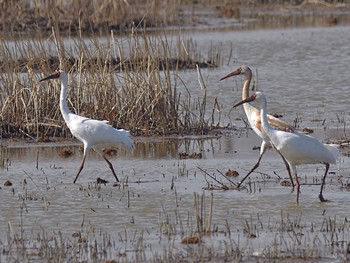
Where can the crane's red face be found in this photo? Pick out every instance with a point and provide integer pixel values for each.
(55, 75)
(233, 73)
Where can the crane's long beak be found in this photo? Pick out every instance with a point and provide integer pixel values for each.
(249, 99)
(55, 75)
(233, 73)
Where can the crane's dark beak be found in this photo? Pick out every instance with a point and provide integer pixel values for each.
(55, 75)
(249, 99)
(233, 73)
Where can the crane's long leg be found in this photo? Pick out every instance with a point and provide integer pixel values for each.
(81, 167)
(297, 186)
(320, 195)
(294, 169)
(100, 152)
(263, 149)
(287, 165)
(111, 167)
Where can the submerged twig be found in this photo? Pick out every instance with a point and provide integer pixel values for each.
(226, 177)
(223, 186)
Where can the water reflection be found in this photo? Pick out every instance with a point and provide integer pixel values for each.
(145, 148)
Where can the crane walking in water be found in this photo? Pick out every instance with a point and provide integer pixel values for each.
(253, 115)
(297, 148)
(92, 133)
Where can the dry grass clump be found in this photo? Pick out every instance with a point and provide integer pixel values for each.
(194, 155)
(87, 16)
(232, 173)
(191, 240)
(7, 183)
(66, 152)
(102, 16)
(138, 91)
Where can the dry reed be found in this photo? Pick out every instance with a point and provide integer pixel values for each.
(132, 82)
(84, 17)
(77, 16)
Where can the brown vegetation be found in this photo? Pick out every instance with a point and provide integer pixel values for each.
(131, 82)
(66, 152)
(232, 173)
(100, 17)
(194, 155)
(190, 240)
(7, 183)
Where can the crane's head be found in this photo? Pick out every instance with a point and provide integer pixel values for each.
(243, 70)
(57, 74)
(256, 96)
(249, 99)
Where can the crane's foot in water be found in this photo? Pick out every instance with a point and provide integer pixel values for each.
(292, 190)
(320, 196)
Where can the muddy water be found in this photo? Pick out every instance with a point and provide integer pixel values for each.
(304, 74)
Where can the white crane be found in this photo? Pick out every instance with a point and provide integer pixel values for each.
(253, 115)
(297, 148)
(92, 133)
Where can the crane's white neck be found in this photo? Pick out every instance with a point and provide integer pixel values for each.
(63, 97)
(263, 114)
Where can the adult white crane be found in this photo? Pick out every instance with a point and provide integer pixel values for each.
(253, 115)
(92, 133)
(297, 148)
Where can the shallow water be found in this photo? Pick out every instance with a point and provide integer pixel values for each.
(160, 193)
(304, 74)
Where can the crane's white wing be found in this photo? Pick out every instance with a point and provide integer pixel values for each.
(99, 133)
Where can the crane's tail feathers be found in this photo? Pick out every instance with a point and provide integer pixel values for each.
(127, 141)
(122, 130)
(334, 149)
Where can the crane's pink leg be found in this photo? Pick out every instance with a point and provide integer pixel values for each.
(111, 167)
(320, 195)
(81, 168)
